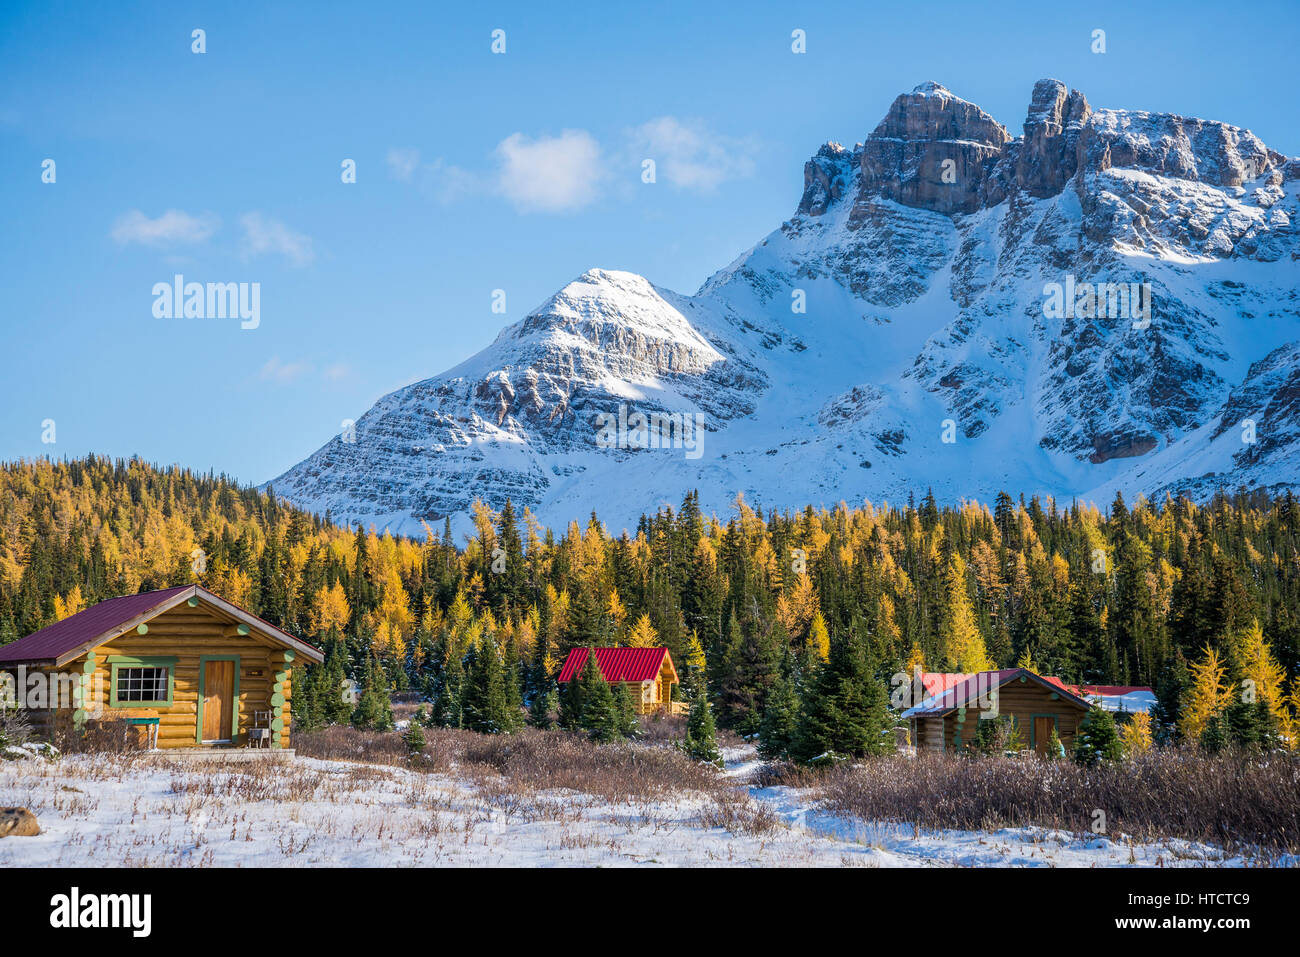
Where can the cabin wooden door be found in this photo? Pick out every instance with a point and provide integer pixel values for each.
(218, 700)
(1043, 728)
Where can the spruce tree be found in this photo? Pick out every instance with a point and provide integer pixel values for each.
(484, 702)
(544, 702)
(747, 674)
(414, 740)
(446, 710)
(629, 724)
(1171, 690)
(846, 711)
(513, 713)
(571, 702)
(1251, 726)
(1097, 738)
(591, 705)
(334, 707)
(601, 717)
(780, 719)
(1214, 736)
(374, 712)
(701, 738)
(306, 700)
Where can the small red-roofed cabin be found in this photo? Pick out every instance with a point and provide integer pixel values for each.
(954, 704)
(186, 667)
(649, 671)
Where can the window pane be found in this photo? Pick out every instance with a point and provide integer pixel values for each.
(141, 684)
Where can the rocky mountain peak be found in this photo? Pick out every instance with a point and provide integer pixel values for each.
(1047, 156)
(907, 300)
(938, 152)
(931, 112)
(930, 151)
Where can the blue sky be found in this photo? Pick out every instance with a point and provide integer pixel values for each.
(475, 172)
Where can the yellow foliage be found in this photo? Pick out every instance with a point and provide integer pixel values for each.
(796, 607)
(819, 638)
(69, 606)
(643, 634)
(331, 610)
(1261, 669)
(1207, 697)
(616, 611)
(1136, 735)
(959, 634)
(915, 660)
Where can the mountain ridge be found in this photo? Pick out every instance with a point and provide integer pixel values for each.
(924, 356)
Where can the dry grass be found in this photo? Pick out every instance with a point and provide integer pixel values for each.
(554, 775)
(530, 761)
(1233, 801)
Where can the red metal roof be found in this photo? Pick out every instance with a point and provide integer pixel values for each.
(959, 690)
(85, 626)
(617, 664)
(936, 682)
(1109, 690)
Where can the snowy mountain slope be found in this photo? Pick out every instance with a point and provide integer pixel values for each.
(925, 319)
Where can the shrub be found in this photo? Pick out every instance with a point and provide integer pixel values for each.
(414, 739)
(1232, 800)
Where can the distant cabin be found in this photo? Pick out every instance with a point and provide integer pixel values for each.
(949, 715)
(187, 667)
(649, 671)
(1123, 700)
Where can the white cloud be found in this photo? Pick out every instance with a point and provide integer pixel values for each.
(276, 371)
(173, 226)
(558, 174)
(689, 156)
(337, 371)
(439, 179)
(551, 173)
(448, 183)
(263, 235)
(402, 163)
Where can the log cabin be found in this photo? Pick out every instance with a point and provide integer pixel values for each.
(649, 672)
(182, 667)
(949, 715)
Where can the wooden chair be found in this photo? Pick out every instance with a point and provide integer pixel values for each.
(259, 735)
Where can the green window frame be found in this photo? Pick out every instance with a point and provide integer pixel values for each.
(118, 662)
(234, 697)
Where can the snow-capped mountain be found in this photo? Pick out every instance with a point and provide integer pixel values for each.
(1110, 301)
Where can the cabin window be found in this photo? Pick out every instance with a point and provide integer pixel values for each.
(141, 682)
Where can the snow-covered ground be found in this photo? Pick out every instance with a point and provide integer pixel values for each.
(155, 812)
(903, 845)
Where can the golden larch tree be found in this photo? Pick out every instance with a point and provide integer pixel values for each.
(1208, 696)
(330, 610)
(642, 634)
(70, 605)
(960, 636)
(1136, 735)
